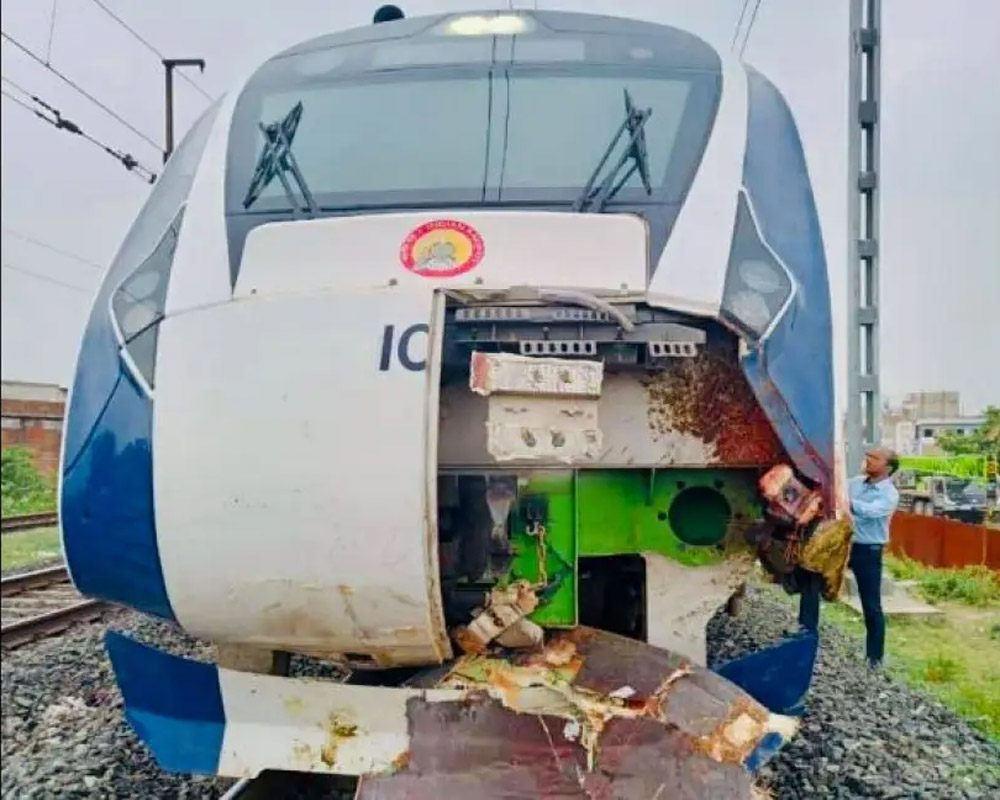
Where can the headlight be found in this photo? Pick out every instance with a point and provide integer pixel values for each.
(758, 286)
(488, 25)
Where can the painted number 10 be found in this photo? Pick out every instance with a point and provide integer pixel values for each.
(401, 348)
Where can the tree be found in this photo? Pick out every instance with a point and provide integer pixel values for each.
(983, 441)
(24, 489)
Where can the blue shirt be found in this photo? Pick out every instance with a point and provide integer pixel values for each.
(872, 506)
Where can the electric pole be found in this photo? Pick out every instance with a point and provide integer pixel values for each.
(863, 131)
(169, 64)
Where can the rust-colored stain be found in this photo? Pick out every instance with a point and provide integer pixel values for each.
(708, 397)
(735, 737)
(336, 732)
(402, 761)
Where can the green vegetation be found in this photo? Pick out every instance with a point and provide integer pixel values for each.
(983, 441)
(964, 466)
(971, 586)
(24, 548)
(24, 489)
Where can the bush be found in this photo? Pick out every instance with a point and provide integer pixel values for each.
(973, 586)
(24, 489)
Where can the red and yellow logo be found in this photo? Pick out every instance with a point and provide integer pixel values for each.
(443, 248)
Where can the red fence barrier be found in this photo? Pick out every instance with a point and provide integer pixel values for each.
(940, 542)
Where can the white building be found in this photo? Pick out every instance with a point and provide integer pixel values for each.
(929, 429)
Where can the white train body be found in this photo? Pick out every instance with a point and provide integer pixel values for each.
(276, 419)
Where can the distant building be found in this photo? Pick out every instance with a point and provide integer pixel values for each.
(913, 428)
(943, 405)
(32, 416)
(929, 430)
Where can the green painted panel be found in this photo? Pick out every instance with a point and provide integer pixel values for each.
(629, 511)
(560, 537)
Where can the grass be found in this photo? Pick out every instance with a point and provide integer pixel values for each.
(973, 586)
(952, 657)
(24, 548)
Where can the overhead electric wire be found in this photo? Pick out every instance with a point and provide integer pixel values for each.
(52, 31)
(51, 248)
(58, 121)
(39, 276)
(81, 90)
(753, 19)
(739, 24)
(148, 45)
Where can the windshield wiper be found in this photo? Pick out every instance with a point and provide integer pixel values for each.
(276, 161)
(635, 151)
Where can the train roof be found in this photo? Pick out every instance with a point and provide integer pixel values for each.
(507, 38)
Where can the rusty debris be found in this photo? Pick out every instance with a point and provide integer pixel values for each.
(788, 498)
(506, 607)
(337, 731)
(561, 721)
(545, 684)
(826, 552)
(708, 397)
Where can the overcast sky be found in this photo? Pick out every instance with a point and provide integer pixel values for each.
(940, 152)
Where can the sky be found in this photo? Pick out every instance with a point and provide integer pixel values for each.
(940, 211)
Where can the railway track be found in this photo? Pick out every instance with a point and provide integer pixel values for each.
(42, 603)
(27, 522)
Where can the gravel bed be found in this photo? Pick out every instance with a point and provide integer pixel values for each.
(64, 731)
(863, 736)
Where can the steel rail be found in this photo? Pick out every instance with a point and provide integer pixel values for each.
(27, 522)
(50, 621)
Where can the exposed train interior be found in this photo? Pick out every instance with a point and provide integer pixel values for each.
(663, 451)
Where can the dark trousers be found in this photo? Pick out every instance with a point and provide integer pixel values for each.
(866, 564)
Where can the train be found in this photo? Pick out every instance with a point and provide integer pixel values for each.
(496, 441)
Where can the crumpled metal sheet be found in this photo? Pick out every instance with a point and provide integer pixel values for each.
(826, 552)
(592, 715)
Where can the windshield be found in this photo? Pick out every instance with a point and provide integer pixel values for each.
(433, 136)
(965, 491)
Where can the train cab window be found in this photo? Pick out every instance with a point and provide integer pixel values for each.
(466, 135)
(560, 125)
(138, 278)
(388, 136)
(139, 301)
(168, 194)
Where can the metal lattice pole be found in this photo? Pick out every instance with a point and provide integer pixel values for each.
(863, 401)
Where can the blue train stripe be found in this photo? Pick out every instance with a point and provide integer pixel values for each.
(797, 360)
(174, 704)
(107, 507)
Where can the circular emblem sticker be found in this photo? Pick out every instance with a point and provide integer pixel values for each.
(443, 248)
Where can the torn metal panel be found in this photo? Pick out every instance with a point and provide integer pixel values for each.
(596, 715)
(589, 715)
(681, 599)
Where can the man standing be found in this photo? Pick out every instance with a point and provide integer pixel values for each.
(873, 500)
